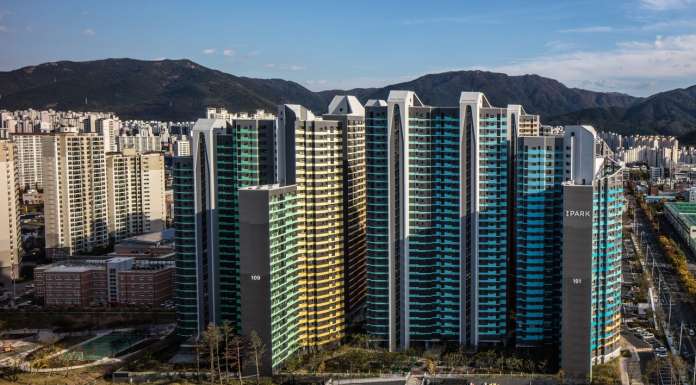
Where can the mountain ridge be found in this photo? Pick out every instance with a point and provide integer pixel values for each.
(180, 89)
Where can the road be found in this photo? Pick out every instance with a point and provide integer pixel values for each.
(677, 307)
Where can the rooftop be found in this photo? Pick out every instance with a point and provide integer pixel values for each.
(684, 210)
(69, 268)
(166, 236)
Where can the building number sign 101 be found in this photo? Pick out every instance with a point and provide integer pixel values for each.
(577, 281)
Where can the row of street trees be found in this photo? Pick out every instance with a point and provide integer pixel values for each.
(672, 252)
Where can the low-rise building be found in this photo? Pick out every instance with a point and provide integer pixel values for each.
(682, 216)
(155, 245)
(115, 281)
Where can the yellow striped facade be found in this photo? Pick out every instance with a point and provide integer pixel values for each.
(319, 179)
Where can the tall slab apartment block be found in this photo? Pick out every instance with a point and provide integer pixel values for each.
(271, 246)
(350, 115)
(10, 231)
(592, 248)
(468, 234)
(75, 193)
(226, 155)
(310, 155)
(438, 232)
(538, 235)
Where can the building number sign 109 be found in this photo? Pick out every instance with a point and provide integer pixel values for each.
(255, 277)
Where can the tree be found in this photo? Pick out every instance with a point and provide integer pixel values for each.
(258, 349)
(430, 366)
(211, 340)
(237, 341)
(561, 376)
(227, 332)
(199, 348)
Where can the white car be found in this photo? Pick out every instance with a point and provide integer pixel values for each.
(691, 332)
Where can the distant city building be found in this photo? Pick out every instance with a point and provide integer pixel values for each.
(656, 173)
(117, 281)
(222, 113)
(135, 185)
(75, 193)
(109, 129)
(29, 160)
(141, 144)
(32, 197)
(34, 121)
(10, 234)
(182, 147)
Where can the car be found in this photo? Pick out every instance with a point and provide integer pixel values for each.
(691, 332)
(661, 354)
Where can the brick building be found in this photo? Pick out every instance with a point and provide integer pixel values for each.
(115, 281)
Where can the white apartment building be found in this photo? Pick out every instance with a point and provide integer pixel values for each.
(10, 236)
(29, 170)
(182, 146)
(136, 193)
(75, 193)
(140, 143)
(109, 129)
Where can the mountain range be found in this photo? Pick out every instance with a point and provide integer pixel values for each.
(181, 90)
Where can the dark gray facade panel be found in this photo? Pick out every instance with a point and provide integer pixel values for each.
(576, 354)
(255, 277)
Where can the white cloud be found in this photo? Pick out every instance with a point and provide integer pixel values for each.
(591, 29)
(321, 82)
(285, 67)
(437, 20)
(558, 45)
(253, 53)
(159, 58)
(229, 52)
(670, 24)
(628, 67)
(209, 51)
(663, 5)
(88, 32)
(3, 28)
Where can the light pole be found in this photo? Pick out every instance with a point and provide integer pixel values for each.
(681, 334)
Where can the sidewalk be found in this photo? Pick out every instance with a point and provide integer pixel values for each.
(630, 366)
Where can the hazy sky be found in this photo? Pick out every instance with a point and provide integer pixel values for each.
(634, 46)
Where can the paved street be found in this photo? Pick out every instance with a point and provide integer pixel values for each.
(678, 309)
